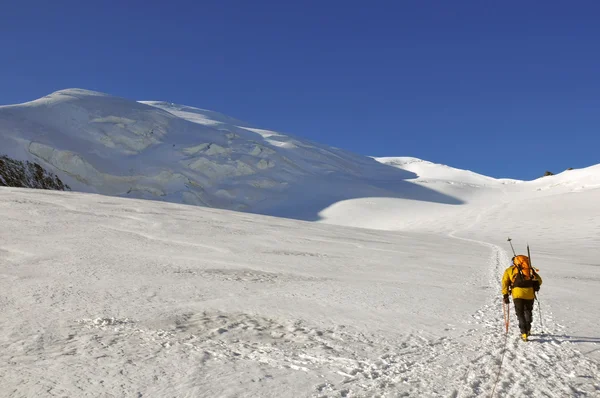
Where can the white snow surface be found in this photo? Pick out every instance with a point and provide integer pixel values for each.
(467, 189)
(394, 292)
(98, 143)
(105, 296)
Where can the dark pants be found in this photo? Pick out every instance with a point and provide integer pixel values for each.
(523, 309)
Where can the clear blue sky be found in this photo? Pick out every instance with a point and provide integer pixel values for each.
(504, 88)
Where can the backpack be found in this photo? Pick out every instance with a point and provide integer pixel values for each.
(525, 273)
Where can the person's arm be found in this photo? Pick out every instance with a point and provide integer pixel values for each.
(537, 282)
(505, 282)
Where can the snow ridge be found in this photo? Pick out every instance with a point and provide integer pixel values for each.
(158, 150)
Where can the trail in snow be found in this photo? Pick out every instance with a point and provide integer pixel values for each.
(549, 365)
(134, 298)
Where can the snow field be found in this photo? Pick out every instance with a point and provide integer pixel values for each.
(104, 296)
(111, 297)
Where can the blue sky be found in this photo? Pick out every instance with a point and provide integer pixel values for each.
(504, 88)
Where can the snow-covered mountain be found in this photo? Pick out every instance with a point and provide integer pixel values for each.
(98, 143)
(107, 296)
(103, 144)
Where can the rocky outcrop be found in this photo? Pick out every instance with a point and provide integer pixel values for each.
(25, 174)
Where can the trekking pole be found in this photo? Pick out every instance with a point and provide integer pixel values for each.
(511, 246)
(540, 311)
(534, 293)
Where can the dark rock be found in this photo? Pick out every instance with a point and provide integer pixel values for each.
(25, 174)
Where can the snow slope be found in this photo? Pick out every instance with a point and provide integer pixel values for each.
(474, 191)
(106, 296)
(98, 143)
(156, 150)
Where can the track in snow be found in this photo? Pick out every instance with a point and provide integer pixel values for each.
(549, 365)
(198, 349)
(339, 362)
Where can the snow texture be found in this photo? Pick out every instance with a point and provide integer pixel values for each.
(157, 150)
(394, 292)
(106, 296)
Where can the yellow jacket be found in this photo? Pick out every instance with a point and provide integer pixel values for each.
(526, 293)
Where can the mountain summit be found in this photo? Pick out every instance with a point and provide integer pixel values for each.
(158, 150)
(99, 143)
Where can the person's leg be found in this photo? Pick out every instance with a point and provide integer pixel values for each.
(527, 313)
(520, 311)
